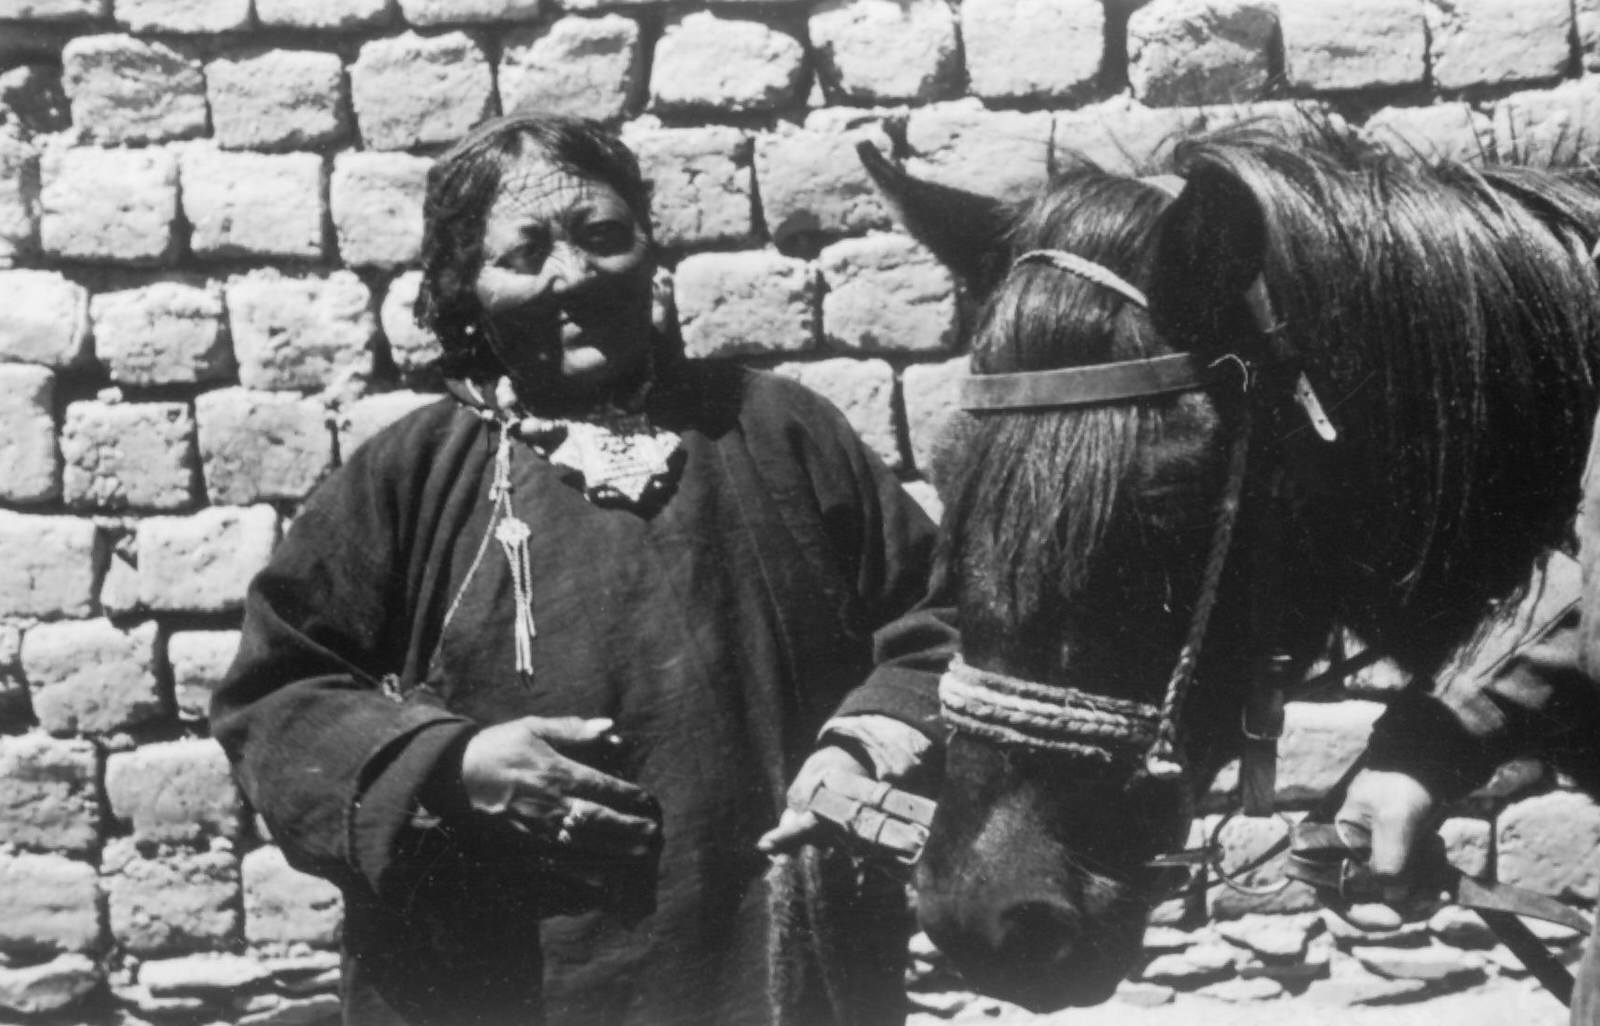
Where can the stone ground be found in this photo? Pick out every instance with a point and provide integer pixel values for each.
(1498, 1003)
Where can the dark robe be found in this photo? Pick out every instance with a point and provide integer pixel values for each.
(720, 629)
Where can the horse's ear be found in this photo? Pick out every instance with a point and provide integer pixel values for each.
(1210, 248)
(965, 231)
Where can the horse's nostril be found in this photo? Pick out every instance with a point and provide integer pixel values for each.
(1038, 933)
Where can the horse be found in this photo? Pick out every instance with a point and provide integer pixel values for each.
(1310, 383)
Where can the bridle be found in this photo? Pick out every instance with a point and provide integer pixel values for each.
(1028, 715)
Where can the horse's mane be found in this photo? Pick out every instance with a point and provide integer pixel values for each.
(1449, 315)
(1027, 494)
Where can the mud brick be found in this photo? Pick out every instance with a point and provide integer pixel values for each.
(174, 792)
(126, 91)
(170, 901)
(168, 332)
(1201, 51)
(264, 98)
(253, 204)
(111, 206)
(51, 797)
(301, 332)
(415, 90)
(257, 446)
(52, 563)
(122, 456)
(1363, 44)
(28, 435)
(47, 903)
(203, 562)
(700, 185)
(882, 51)
(377, 207)
(1032, 49)
(92, 677)
(886, 293)
(708, 61)
(591, 67)
(736, 304)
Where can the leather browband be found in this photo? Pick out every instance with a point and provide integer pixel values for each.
(1086, 386)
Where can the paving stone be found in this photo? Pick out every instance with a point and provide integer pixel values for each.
(454, 12)
(997, 153)
(706, 60)
(1545, 126)
(126, 91)
(51, 797)
(199, 660)
(187, 16)
(202, 563)
(266, 98)
(1454, 131)
(55, 10)
(19, 197)
(886, 293)
(1200, 963)
(48, 903)
(44, 319)
(1272, 938)
(199, 973)
(1242, 990)
(589, 67)
(371, 414)
(257, 446)
(174, 792)
(412, 347)
(33, 95)
(376, 200)
(932, 398)
(284, 1011)
(1144, 995)
(112, 206)
(285, 906)
(412, 90)
(52, 562)
(91, 677)
(1494, 42)
(120, 456)
(1362, 44)
(171, 902)
(1058, 54)
(1461, 928)
(1350, 984)
(699, 178)
(323, 14)
(1548, 843)
(28, 435)
(738, 304)
(863, 390)
(303, 332)
(883, 51)
(1200, 51)
(1435, 963)
(812, 181)
(168, 332)
(1320, 742)
(253, 204)
(48, 986)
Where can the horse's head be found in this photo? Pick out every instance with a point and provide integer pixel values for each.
(1077, 538)
(1089, 542)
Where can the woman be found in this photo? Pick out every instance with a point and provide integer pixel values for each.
(530, 675)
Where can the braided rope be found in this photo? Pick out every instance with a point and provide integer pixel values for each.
(1018, 712)
(1162, 760)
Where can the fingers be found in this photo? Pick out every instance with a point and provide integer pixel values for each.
(593, 828)
(1386, 813)
(794, 829)
(566, 731)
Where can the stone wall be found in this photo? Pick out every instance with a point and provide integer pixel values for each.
(209, 223)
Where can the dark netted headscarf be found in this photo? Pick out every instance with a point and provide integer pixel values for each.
(462, 186)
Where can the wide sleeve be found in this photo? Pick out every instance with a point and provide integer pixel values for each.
(324, 754)
(884, 544)
(1520, 690)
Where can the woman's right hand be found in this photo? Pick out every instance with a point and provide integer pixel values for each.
(516, 770)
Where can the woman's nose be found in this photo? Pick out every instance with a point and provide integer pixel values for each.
(564, 270)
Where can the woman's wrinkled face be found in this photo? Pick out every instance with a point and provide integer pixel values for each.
(565, 282)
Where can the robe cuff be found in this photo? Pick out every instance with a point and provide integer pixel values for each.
(396, 778)
(893, 749)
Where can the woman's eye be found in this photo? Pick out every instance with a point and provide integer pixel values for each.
(524, 259)
(607, 238)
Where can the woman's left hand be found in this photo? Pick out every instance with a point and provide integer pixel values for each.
(799, 825)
